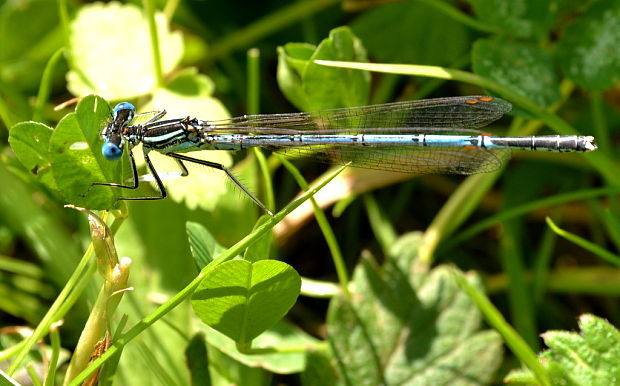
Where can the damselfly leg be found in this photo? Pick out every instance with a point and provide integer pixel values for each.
(230, 175)
(179, 158)
(118, 131)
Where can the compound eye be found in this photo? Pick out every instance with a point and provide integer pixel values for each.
(111, 151)
(125, 110)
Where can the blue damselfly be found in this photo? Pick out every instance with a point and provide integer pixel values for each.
(420, 137)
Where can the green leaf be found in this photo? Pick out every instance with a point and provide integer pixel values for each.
(190, 83)
(524, 68)
(520, 18)
(64, 159)
(311, 86)
(111, 51)
(225, 370)
(30, 142)
(292, 58)
(281, 336)
(202, 244)
(241, 299)
(25, 51)
(319, 370)
(411, 32)
(591, 357)
(588, 50)
(409, 326)
(337, 87)
(76, 163)
(588, 358)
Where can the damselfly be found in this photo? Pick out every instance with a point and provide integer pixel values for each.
(420, 137)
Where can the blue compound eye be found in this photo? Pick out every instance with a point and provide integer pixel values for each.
(111, 151)
(126, 109)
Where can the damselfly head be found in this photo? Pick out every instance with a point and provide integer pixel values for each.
(123, 112)
(112, 148)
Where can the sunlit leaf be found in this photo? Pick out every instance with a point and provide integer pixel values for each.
(111, 51)
(207, 188)
(241, 299)
(75, 168)
(586, 358)
(314, 87)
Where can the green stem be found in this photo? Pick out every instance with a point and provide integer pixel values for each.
(253, 84)
(12, 265)
(73, 297)
(599, 124)
(527, 208)
(186, 292)
(69, 295)
(541, 266)
(170, 8)
(585, 244)
(519, 294)
(319, 289)
(63, 15)
(267, 25)
(107, 301)
(253, 103)
(149, 8)
(460, 205)
(381, 227)
(461, 17)
(270, 200)
(5, 113)
(328, 232)
(52, 313)
(46, 85)
(517, 345)
(289, 349)
(601, 280)
(34, 377)
(51, 370)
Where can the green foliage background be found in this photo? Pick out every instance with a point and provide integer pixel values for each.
(404, 316)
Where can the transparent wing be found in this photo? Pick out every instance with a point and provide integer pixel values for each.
(455, 114)
(405, 159)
